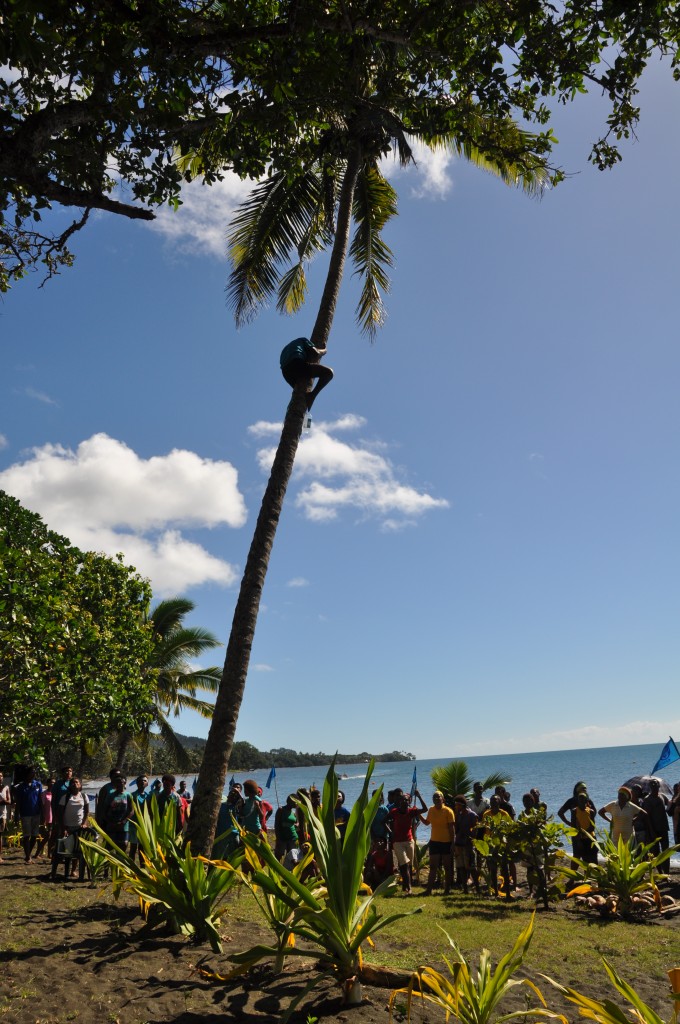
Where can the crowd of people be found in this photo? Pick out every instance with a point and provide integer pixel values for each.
(56, 815)
(451, 853)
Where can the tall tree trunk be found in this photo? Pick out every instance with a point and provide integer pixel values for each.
(124, 740)
(83, 759)
(213, 773)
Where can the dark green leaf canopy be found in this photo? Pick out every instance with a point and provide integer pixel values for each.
(73, 640)
(96, 92)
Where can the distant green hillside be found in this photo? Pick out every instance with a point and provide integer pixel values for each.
(156, 758)
(245, 756)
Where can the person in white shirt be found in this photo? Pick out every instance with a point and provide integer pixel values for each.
(5, 804)
(621, 813)
(72, 813)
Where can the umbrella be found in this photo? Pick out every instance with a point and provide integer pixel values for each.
(644, 782)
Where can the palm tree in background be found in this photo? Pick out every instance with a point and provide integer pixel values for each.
(454, 779)
(286, 221)
(176, 681)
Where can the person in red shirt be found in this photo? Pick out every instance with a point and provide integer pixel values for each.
(267, 808)
(403, 844)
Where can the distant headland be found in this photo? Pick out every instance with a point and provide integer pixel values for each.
(245, 756)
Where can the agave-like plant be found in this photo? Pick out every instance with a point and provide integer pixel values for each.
(607, 1012)
(625, 874)
(473, 998)
(95, 857)
(454, 778)
(170, 881)
(279, 898)
(335, 913)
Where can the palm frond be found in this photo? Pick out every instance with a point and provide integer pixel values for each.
(177, 750)
(267, 228)
(171, 683)
(167, 615)
(202, 679)
(454, 778)
(375, 202)
(496, 145)
(404, 150)
(293, 284)
(173, 650)
(292, 289)
(181, 701)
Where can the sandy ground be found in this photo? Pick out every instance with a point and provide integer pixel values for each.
(68, 953)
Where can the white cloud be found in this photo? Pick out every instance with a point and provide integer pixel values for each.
(348, 421)
(261, 667)
(366, 481)
(105, 497)
(263, 428)
(298, 581)
(201, 222)
(582, 737)
(431, 171)
(4, 443)
(38, 396)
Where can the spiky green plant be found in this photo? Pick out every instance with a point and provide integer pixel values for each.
(335, 913)
(607, 1012)
(472, 998)
(186, 892)
(278, 898)
(623, 873)
(95, 857)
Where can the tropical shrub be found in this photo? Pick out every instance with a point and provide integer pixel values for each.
(608, 1012)
(473, 998)
(454, 779)
(496, 848)
(172, 885)
(624, 883)
(335, 913)
(94, 855)
(538, 841)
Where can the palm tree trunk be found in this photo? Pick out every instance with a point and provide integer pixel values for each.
(83, 759)
(124, 740)
(213, 773)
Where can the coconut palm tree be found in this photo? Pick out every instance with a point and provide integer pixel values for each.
(176, 681)
(293, 216)
(454, 778)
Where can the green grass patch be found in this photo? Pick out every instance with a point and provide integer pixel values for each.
(567, 944)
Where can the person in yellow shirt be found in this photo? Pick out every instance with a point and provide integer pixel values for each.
(441, 821)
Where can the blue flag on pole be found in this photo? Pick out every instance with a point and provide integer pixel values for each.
(414, 782)
(669, 754)
(272, 776)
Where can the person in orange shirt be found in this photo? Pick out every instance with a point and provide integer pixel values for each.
(441, 821)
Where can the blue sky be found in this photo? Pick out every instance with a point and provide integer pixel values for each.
(479, 551)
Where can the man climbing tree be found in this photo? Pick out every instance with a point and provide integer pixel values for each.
(300, 365)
